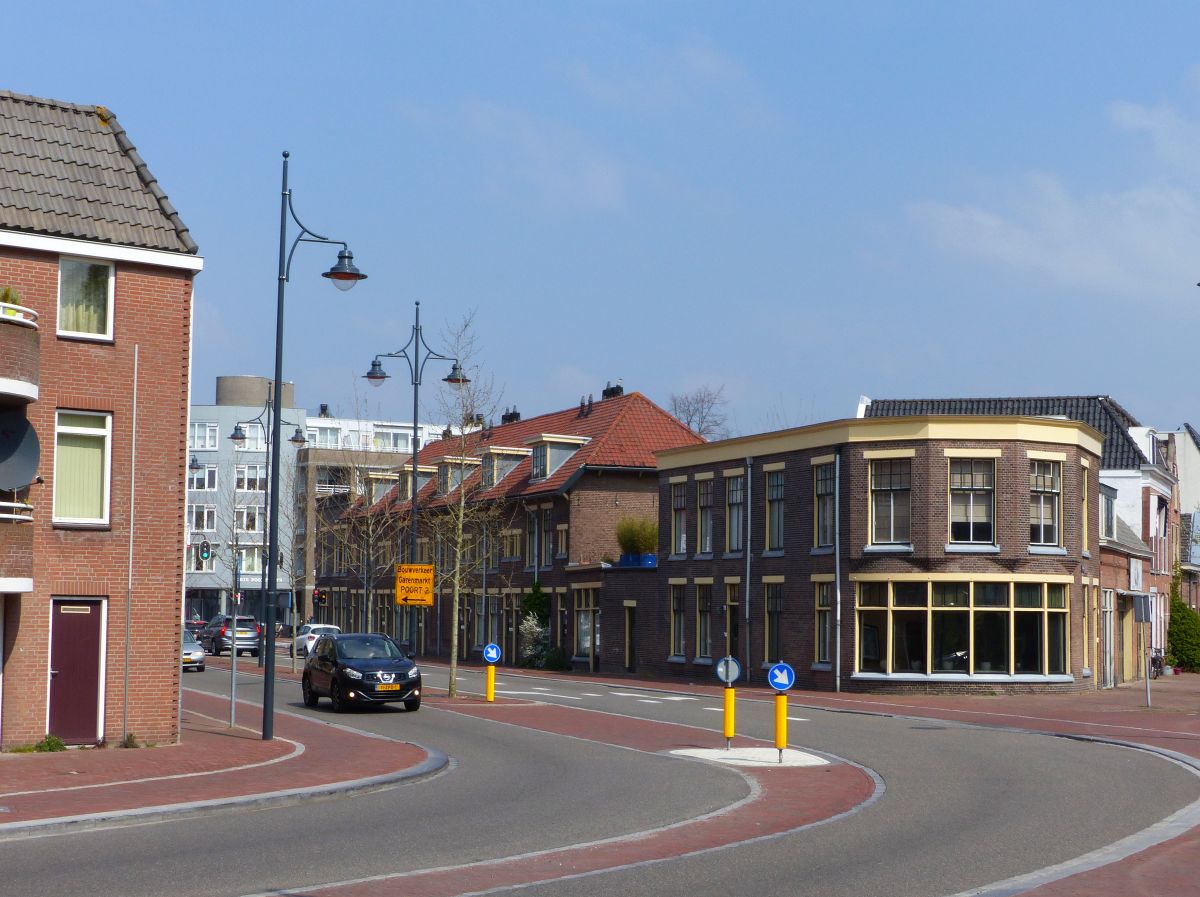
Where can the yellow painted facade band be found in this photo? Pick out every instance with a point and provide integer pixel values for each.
(733, 472)
(884, 454)
(822, 459)
(1046, 456)
(732, 580)
(629, 602)
(587, 585)
(821, 577)
(677, 581)
(702, 580)
(774, 465)
(972, 453)
(704, 476)
(675, 480)
(770, 579)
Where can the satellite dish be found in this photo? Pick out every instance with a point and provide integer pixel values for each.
(20, 451)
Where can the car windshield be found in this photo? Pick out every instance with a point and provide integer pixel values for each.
(246, 622)
(189, 637)
(367, 647)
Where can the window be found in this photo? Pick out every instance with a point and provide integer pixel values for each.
(256, 438)
(323, 437)
(704, 492)
(587, 633)
(511, 545)
(971, 628)
(82, 466)
(196, 564)
(704, 620)
(531, 543)
(678, 518)
(488, 473)
(890, 484)
(202, 518)
(676, 620)
(251, 558)
(540, 453)
(391, 441)
(203, 436)
(1083, 507)
(443, 479)
(775, 510)
(560, 547)
(251, 478)
(246, 518)
(85, 298)
(547, 551)
(972, 487)
(735, 512)
(774, 633)
(204, 479)
(824, 601)
(1108, 516)
(823, 499)
(1044, 485)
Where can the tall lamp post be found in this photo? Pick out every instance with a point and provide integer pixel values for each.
(238, 438)
(344, 276)
(416, 353)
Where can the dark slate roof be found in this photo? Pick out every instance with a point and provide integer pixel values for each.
(70, 171)
(1191, 431)
(1101, 413)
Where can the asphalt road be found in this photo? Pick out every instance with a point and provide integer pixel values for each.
(963, 807)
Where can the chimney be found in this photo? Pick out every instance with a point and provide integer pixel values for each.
(582, 407)
(611, 392)
(589, 408)
(510, 416)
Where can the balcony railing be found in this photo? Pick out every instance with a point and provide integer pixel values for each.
(16, 511)
(18, 314)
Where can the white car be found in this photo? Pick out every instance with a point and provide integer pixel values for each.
(308, 634)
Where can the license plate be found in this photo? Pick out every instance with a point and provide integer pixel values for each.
(393, 687)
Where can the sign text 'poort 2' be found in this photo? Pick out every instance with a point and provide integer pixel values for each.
(414, 585)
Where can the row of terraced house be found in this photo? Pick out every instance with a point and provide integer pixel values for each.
(999, 544)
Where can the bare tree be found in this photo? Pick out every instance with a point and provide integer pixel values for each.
(703, 410)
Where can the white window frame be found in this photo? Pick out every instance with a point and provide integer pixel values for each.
(107, 335)
(208, 513)
(198, 480)
(212, 436)
(256, 438)
(243, 478)
(106, 488)
(244, 514)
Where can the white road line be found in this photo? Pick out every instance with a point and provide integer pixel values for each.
(648, 701)
(540, 694)
(636, 694)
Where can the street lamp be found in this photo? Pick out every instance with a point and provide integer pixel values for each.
(412, 354)
(238, 438)
(344, 276)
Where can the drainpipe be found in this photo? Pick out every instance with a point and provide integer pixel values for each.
(129, 584)
(746, 546)
(837, 570)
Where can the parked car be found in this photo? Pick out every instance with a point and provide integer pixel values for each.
(308, 634)
(193, 654)
(217, 636)
(360, 668)
(194, 625)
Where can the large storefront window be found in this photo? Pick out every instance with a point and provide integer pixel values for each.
(976, 628)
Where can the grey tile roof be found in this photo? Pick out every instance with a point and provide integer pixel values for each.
(1129, 541)
(1102, 413)
(70, 171)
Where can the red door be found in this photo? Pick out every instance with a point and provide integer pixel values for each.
(75, 671)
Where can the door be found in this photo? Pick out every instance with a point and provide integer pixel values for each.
(630, 639)
(731, 631)
(75, 671)
(1107, 652)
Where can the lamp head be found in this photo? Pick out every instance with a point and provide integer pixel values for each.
(194, 465)
(457, 376)
(298, 439)
(344, 275)
(377, 374)
(238, 436)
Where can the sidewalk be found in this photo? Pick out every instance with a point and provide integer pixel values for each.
(212, 766)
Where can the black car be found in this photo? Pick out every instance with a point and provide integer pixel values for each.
(360, 668)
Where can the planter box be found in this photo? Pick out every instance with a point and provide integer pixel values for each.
(638, 560)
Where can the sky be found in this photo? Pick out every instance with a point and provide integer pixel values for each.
(799, 203)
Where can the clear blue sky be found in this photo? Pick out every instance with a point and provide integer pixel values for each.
(802, 202)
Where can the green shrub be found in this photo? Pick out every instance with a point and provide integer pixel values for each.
(50, 744)
(556, 659)
(536, 602)
(1183, 636)
(637, 535)
(130, 741)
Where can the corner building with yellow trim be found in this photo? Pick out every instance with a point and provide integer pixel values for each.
(925, 553)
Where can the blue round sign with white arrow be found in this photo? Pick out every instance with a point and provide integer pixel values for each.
(781, 677)
(491, 653)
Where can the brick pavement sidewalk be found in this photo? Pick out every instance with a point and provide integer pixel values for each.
(212, 766)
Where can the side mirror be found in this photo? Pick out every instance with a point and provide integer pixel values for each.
(410, 655)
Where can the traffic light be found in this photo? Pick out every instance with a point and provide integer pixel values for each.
(205, 550)
(324, 596)
(316, 597)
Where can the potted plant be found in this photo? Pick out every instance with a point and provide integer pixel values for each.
(638, 538)
(8, 298)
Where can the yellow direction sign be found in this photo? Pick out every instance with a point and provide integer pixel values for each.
(414, 585)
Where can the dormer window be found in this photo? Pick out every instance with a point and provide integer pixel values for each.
(550, 451)
(540, 454)
(498, 462)
(489, 471)
(443, 478)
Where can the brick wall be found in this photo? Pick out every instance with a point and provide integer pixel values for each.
(151, 313)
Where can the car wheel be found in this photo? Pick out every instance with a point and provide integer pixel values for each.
(200, 669)
(254, 653)
(335, 698)
(310, 696)
(412, 705)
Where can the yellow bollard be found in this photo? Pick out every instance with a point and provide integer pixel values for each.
(490, 692)
(780, 723)
(730, 715)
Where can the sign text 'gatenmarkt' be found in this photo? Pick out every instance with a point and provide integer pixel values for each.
(414, 584)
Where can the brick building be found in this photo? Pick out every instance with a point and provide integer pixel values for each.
(911, 553)
(551, 490)
(94, 348)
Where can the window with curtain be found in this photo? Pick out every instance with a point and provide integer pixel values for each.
(85, 297)
(1045, 479)
(972, 486)
(82, 458)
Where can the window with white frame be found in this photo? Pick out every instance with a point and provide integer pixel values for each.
(204, 479)
(678, 518)
(823, 496)
(247, 518)
(324, 437)
(587, 633)
(540, 459)
(488, 472)
(256, 437)
(972, 500)
(85, 298)
(704, 494)
(251, 558)
(251, 478)
(203, 436)
(1108, 516)
(202, 518)
(1045, 484)
(82, 467)
(391, 440)
(890, 497)
(546, 555)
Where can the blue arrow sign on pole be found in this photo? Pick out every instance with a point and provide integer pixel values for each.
(491, 653)
(781, 677)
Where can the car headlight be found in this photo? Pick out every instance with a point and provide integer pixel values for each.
(353, 674)
(414, 672)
